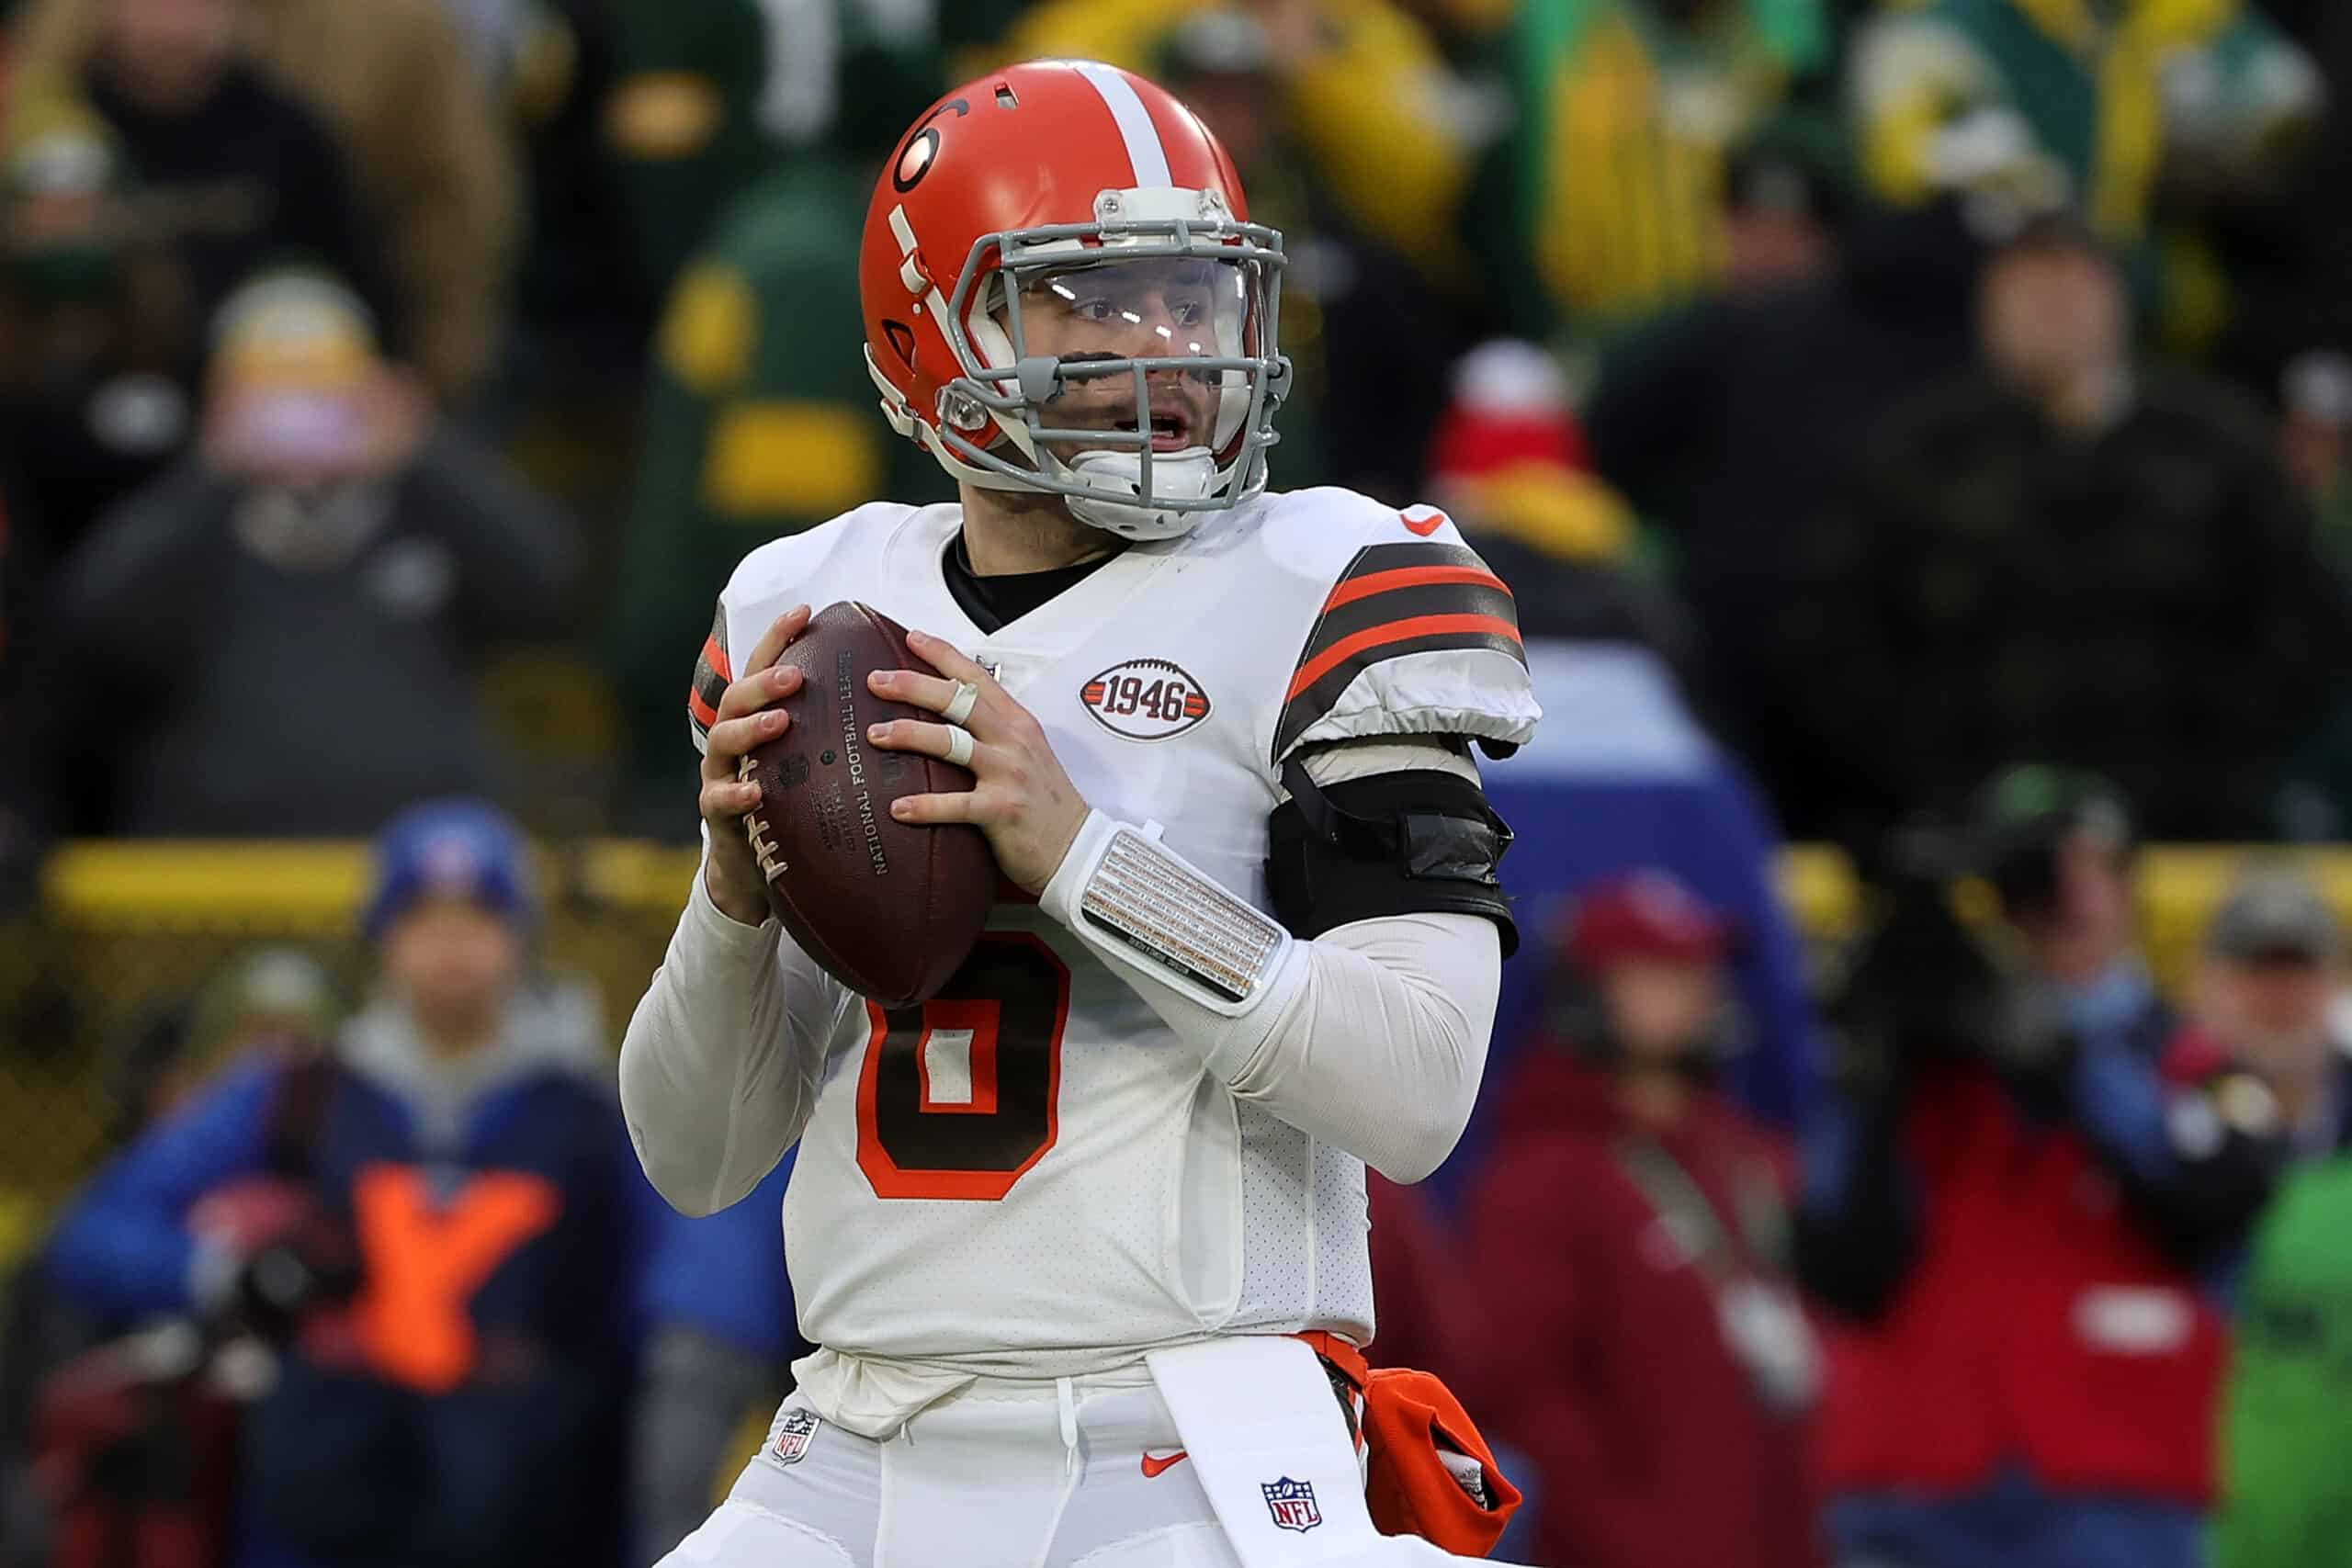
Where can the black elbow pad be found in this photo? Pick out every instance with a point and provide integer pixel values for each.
(1420, 841)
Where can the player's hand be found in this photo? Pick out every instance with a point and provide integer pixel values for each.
(746, 718)
(1020, 797)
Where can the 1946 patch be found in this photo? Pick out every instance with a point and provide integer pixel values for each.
(1145, 699)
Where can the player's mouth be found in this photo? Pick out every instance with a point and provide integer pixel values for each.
(1172, 429)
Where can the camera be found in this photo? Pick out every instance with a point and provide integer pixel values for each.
(1937, 974)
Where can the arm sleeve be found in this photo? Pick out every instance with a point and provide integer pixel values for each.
(1380, 1045)
(1373, 1035)
(720, 1066)
(123, 1248)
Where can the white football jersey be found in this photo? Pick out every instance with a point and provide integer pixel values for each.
(1030, 1172)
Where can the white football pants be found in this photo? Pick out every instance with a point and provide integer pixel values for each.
(1078, 1473)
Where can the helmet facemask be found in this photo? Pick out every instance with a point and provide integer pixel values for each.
(1055, 328)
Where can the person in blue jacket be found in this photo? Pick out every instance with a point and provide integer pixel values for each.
(719, 1332)
(438, 1223)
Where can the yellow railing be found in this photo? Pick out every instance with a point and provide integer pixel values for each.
(125, 926)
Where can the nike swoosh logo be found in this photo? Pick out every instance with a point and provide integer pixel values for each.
(1152, 1467)
(1424, 526)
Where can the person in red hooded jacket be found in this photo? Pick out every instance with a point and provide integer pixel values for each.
(1659, 1372)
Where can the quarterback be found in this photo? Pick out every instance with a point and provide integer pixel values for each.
(1083, 1238)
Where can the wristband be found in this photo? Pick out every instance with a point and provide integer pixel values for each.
(1137, 901)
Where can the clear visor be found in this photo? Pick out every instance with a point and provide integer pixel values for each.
(1143, 343)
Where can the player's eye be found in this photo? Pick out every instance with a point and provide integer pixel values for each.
(1094, 308)
(1187, 313)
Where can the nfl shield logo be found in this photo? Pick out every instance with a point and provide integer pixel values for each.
(792, 1435)
(1291, 1503)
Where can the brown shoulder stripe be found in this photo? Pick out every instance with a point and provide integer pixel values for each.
(1392, 601)
(713, 675)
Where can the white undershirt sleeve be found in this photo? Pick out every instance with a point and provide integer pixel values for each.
(1372, 1036)
(1379, 1048)
(722, 1063)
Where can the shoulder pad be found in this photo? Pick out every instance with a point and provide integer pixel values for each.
(765, 583)
(1411, 634)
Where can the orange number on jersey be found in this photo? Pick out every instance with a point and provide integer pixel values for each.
(958, 1097)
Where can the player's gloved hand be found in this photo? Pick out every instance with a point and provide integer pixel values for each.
(1021, 799)
(746, 718)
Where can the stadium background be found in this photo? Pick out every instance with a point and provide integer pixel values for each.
(1656, 297)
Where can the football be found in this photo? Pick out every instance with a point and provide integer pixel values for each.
(889, 909)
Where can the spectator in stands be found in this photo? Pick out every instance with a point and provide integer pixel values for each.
(239, 173)
(332, 547)
(2028, 103)
(2008, 1212)
(2058, 847)
(463, 1138)
(1637, 781)
(761, 422)
(1667, 86)
(2268, 1008)
(94, 324)
(1381, 121)
(720, 1336)
(1785, 204)
(1435, 1318)
(2069, 555)
(2267, 1032)
(414, 119)
(2274, 976)
(711, 97)
(2315, 442)
(1354, 137)
(271, 1006)
(1658, 1368)
(1362, 399)
(2285, 1488)
(1733, 427)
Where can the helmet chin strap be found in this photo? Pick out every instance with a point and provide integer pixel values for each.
(1187, 475)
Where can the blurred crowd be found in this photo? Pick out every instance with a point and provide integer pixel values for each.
(1919, 425)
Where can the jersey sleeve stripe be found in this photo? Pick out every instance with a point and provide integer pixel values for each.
(1403, 603)
(1315, 699)
(1365, 587)
(713, 673)
(1413, 628)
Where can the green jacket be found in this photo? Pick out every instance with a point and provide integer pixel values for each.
(1603, 205)
(711, 94)
(2286, 1426)
(2085, 79)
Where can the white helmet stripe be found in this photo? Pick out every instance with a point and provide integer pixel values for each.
(1144, 151)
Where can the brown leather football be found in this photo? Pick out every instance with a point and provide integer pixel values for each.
(890, 908)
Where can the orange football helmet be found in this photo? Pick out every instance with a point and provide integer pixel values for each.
(1063, 292)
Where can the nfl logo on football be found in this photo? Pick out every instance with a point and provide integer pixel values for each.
(792, 1435)
(1291, 1503)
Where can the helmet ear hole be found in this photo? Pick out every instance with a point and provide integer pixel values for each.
(902, 343)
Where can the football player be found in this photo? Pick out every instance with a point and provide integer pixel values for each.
(1082, 1239)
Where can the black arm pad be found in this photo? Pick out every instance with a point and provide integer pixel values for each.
(1402, 843)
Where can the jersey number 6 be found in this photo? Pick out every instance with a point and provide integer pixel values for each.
(957, 1097)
